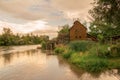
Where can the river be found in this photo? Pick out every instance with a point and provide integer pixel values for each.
(30, 63)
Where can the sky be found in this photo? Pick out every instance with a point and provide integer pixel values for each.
(26, 16)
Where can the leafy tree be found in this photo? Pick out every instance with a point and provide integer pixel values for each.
(106, 14)
(65, 29)
(7, 38)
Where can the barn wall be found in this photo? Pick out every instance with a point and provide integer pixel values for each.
(78, 32)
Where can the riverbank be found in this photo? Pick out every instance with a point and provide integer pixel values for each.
(91, 56)
(36, 65)
(14, 49)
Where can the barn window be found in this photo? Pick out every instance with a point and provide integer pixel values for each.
(76, 37)
(79, 36)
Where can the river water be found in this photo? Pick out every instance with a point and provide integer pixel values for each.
(29, 63)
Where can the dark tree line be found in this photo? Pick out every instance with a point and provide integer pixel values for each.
(7, 38)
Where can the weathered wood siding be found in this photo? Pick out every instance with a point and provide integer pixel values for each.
(78, 32)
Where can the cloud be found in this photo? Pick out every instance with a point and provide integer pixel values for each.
(28, 27)
(72, 5)
(20, 9)
(43, 9)
(6, 17)
(31, 15)
(74, 8)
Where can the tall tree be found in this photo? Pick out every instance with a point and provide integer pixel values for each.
(106, 14)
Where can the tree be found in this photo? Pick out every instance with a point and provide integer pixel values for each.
(65, 29)
(106, 14)
(7, 38)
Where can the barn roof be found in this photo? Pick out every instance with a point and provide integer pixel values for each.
(78, 23)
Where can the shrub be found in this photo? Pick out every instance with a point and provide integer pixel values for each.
(75, 58)
(100, 50)
(115, 51)
(90, 63)
(103, 51)
(43, 45)
(59, 50)
(80, 46)
(93, 65)
(68, 54)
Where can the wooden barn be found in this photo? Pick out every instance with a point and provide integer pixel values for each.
(79, 32)
(76, 32)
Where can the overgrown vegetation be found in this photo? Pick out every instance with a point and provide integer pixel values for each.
(80, 46)
(105, 19)
(90, 56)
(64, 30)
(105, 26)
(7, 38)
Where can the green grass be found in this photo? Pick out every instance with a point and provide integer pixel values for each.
(93, 57)
(67, 54)
(90, 63)
(80, 46)
(114, 63)
(59, 50)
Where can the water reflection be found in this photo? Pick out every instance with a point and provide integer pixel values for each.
(7, 58)
(33, 64)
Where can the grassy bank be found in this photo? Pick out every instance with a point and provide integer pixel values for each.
(90, 56)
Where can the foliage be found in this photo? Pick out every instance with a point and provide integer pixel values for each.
(67, 54)
(93, 64)
(65, 29)
(96, 58)
(102, 50)
(105, 51)
(7, 38)
(115, 50)
(44, 44)
(106, 10)
(106, 14)
(89, 62)
(59, 50)
(80, 46)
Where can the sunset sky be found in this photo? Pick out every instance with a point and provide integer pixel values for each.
(30, 15)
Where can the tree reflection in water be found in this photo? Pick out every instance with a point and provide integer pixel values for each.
(8, 57)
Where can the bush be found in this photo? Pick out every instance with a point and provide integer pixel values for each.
(115, 51)
(68, 54)
(75, 58)
(100, 50)
(80, 46)
(94, 65)
(59, 50)
(90, 63)
(103, 51)
(43, 45)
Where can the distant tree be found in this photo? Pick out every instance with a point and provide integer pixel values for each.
(65, 29)
(7, 38)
